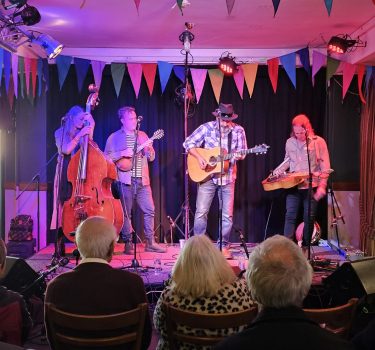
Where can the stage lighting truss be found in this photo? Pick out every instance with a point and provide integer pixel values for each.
(12, 35)
(342, 43)
(227, 64)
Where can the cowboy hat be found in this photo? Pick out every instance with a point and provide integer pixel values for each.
(225, 112)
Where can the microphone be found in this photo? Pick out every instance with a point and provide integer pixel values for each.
(242, 239)
(171, 222)
(64, 119)
(139, 119)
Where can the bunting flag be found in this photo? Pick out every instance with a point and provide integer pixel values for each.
(216, 77)
(149, 72)
(1, 63)
(21, 75)
(199, 77)
(135, 73)
(230, 4)
(276, 4)
(289, 63)
(179, 4)
(27, 62)
(304, 57)
(179, 71)
(33, 67)
(137, 2)
(63, 65)
(11, 93)
(40, 75)
(361, 71)
(97, 69)
(82, 67)
(117, 72)
(319, 60)
(250, 73)
(239, 79)
(273, 71)
(15, 73)
(332, 65)
(348, 74)
(46, 73)
(369, 71)
(328, 4)
(165, 70)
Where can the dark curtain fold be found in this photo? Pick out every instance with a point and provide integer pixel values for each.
(266, 118)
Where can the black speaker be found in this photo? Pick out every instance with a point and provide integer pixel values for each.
(352, 280)
(20, 277)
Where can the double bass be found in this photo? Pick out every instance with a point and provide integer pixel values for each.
(91, 175)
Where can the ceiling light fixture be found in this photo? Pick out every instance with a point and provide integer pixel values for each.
(51, 46)
(13, 4)
(342, 43)
(227, 64)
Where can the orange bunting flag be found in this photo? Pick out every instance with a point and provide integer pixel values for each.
(216, 78)
(135, 73)
(273, 71)
(250, 73)
(361, 73)
(149, 72)
(348, 73)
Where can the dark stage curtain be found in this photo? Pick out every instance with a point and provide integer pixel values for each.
(265, 116)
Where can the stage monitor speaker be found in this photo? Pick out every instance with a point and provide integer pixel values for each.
(19, 276)
(352, 280)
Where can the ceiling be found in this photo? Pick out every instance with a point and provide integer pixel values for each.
(112, 30)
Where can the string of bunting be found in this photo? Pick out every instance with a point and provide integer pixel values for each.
(29, 71)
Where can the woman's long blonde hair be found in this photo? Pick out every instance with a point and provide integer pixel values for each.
(70, 129)
(201, 269)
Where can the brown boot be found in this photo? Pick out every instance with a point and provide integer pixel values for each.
(128, 248)
(151, 246)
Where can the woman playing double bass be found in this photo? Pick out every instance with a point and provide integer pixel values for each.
(74, 126)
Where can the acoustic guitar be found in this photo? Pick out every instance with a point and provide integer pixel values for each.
(125, 163)
(213, 159)
(289, 180)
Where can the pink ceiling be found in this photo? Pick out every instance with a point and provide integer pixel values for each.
(115, 24)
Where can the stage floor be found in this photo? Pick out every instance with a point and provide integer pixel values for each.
(41, 260)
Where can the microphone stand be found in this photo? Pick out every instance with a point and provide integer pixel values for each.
(309, 197)
(242, 239)
(220, 194)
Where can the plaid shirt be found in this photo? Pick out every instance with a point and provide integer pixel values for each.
(207, 136)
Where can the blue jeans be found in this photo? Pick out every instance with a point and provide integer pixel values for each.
(294, 199)
(206, 193)
(145, 203)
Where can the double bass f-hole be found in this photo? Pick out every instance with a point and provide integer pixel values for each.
(96, 195)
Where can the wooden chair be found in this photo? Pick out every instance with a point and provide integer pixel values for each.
(66, 329)
(337, 320)
(176, 317)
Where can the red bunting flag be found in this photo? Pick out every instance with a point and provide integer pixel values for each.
(34, 69)
(149, 72)
(361, 72)
(273, 71)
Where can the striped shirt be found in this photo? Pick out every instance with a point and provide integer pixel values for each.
(137, 169)
(207, 136)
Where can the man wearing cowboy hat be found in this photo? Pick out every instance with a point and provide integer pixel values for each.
(233, 139)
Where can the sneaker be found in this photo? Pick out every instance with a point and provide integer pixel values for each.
(128, 248)
(226, 253)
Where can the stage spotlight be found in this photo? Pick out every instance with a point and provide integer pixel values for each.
(227, 64)
(13, 3)
(30, 15)
(52, 47)
(340, 44)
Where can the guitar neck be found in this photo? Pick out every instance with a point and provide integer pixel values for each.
(241, 152)
(144, 144)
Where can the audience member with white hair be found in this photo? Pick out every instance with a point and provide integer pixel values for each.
(202, 281)
(279, 278)
(94, 287)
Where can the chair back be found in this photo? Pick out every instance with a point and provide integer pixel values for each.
(11, 323)
(176, 317)
(337, 320)
(74, 330)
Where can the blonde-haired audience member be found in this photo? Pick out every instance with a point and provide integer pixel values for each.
(202, 281)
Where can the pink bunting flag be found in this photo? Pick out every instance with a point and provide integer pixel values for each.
(250, 73)
(230, 4)
(97, 69)
(199, 77)
(137, 2)
(348, 73)
(273, 71)
(34, 69)
(135, 73)
(149, 72)
(15, 73)
(239, 79)
(11, 93)
(319, 60)
(27, 62)
(361, 72)
(216, 78)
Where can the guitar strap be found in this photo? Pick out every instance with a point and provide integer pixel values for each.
(230, 141)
